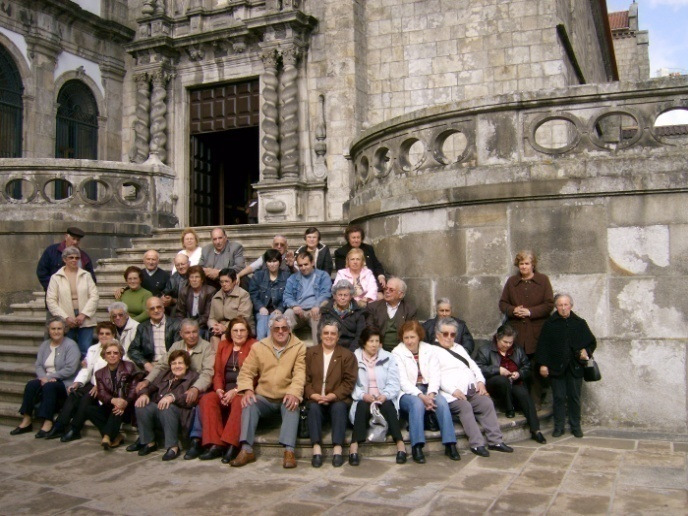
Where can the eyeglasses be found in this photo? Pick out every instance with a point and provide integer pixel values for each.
(281, 329)
(72, 257)
(112, 352)
(390, 289)
(117, 316)
(156, 308)
(447, 334)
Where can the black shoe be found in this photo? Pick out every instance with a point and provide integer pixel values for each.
(501, 447)
(41, 434)
(230, 454)
(145, 450)
(55, 432)
(136, 446)
(194, 450)
(337, 460)
(538, 437)
(170, 454)
(354, 459)
(71, 435)
(417, 453)
(20, 430)
(214, 452)
(481, 451)
(401, 457)
(577, 433)
(316, 460)
(451, 452)
(510, 414)
(557, 432)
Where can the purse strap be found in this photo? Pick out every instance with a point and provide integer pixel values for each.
(456, 355)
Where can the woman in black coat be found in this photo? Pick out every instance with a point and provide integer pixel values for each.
(506, 367)
(565, 344)
(347, 313)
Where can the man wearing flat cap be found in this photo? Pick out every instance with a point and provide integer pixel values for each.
(51, 259)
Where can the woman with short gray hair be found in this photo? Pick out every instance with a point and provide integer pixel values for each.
(344, 310)
(443, 308)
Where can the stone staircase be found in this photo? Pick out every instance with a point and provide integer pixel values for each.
(22, 330)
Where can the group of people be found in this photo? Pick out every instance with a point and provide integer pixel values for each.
(183, 356)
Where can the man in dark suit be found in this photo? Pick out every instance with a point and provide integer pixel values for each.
(221, 254)
(390, 313)
(153, 278)
(154, 336)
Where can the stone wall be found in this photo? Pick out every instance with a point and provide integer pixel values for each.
(605, 217)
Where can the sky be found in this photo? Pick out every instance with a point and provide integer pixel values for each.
(667, 23)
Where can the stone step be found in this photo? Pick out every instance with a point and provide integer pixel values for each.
(18, 354)
(11, 392)
(14, 321)
(16, 372)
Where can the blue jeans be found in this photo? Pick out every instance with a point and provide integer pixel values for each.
(196, 431)
(413, 409)
(262, 325)
(83, 337)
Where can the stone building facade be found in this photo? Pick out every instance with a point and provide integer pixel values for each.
(631, 45)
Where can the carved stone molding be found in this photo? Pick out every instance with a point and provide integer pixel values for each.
(158, 143)
(141, 148)
(270, 121)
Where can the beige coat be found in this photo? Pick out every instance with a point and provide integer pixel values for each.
(225, 307)
(276, 378)
(59, 296)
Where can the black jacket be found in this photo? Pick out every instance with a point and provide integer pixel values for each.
(463, 336)
(142, 348)
(324, 261)
(488, 359)
(155, 284)
(560, 343)
(352, 324)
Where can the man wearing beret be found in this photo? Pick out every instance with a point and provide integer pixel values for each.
(51, 260)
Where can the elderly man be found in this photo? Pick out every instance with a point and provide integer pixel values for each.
(444, 309)
(51, 259)
(221, 254)
(388, 314)
(278, 364)
(279, 243)
(126, 326)
(154, 337)
(305, 292)
(176, 282)
(154, 278)
(463, 386)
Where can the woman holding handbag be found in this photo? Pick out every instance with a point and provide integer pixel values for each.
(377, 382)
(565, 345)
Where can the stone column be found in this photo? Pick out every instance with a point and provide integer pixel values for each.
(158, 141)
(289, 114)
(269, 123)
(141, 149)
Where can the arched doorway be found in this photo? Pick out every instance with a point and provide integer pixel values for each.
(11, 107)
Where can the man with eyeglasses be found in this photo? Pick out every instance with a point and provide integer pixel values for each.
(278, 365)
(154, 337)
(126, 326)
(279, 243)
(391, 312)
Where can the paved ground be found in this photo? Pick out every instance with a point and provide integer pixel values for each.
(606, 472)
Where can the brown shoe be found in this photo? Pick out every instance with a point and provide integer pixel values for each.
(105, 443)
(117, 441)
(289, 460)
(242, 459)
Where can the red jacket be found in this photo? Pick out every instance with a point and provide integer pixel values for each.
(224, 351)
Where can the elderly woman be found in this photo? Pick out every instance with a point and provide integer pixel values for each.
(377, 382)
(164, 400)
(505, 368)
(462, 384)
(73, 296)
(135, 296)
(221, 408)
(565, 344)
(190, 248)
(116, 394)
(330, 378)
(82, 393)
(349, 316)
(419, 377)
(267, 288)
(354, 236)
(360, 276)
(320, 252)
(56, 365)
(195, 299)
(230, 301)
(443, 309)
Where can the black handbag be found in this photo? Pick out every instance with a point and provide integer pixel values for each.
(303, 432)
(591, 371)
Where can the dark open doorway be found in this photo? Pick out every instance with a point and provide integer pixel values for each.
(224, 153)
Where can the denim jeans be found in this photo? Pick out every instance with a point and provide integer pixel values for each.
(413, 409)
(261, 325)
(83, 337)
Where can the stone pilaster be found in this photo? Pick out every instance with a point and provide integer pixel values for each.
(141, 147)
(289, 114)
(158, 141)
(269, 124)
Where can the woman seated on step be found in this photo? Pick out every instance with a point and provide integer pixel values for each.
(360, 276)
(190, 248)
(56, 365)
(135, 296)
(194, 300)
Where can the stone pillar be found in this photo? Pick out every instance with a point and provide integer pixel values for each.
(158, 141)
(269, 123)
(141, 148)
(289, 114)
(320, 144)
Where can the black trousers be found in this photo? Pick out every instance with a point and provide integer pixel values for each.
(74, 409)
(566, 391)
(52, 394)
(511, 396)
(362, 416)
(107, 422)
(316, 417)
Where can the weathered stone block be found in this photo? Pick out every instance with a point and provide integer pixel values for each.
(486, 250)
(639, 250)
(590, 294)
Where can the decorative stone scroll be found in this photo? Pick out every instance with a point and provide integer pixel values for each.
(270, 127)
